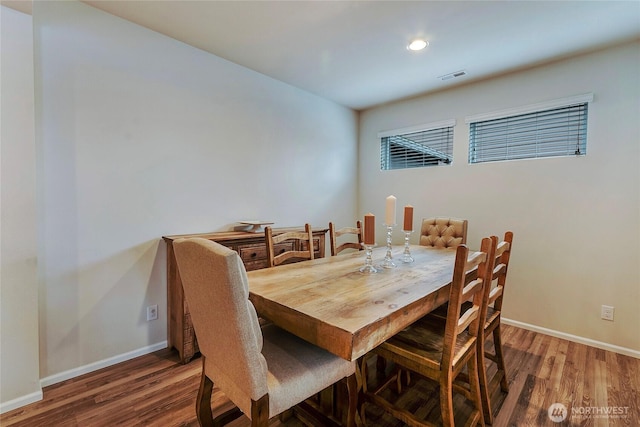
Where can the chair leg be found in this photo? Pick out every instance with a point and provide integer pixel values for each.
(361, 376)
(352, 406)
(474, 385)
(203, 405)
(260, 412)
(497, 343)
(203, 401)
(446, 399)
(485, 393)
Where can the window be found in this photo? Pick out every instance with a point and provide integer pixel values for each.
(421, 146)
(550, 130)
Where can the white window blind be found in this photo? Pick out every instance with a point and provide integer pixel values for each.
(412, 148)
(557, 131)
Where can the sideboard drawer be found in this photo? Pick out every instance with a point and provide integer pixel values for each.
(258, 252)
(282, 247)
(250, 253)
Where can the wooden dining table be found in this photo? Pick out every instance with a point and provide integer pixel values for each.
(331, 304)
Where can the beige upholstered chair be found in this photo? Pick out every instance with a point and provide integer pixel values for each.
(300, 245)
(440, 349)
(262, 371)
(334, 234)
(443, 232)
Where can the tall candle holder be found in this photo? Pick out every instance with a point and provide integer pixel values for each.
(388, 259)
(368, 261)
(406, 255)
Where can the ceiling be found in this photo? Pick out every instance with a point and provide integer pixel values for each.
(354, 52)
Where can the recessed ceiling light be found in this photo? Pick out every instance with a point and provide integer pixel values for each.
(417, 44)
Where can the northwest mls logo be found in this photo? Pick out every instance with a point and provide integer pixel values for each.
(557, 412)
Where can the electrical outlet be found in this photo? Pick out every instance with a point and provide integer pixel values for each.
(606, 312)
(152, 312)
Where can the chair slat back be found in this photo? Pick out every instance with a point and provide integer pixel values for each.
(335, 233)
(485, 273)
(305, 240)
(503, 256)
(464, 267)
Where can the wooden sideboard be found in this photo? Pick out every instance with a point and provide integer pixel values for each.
(252, 250)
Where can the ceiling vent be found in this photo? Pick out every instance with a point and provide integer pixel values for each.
(453, 75)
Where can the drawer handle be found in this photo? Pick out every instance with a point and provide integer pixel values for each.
(253, 255)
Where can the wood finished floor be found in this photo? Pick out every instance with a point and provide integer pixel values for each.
(155, 390)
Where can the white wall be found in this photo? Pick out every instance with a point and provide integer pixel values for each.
(576, 220)
(19, 368)
(141, 136)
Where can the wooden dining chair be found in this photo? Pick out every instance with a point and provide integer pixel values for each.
(492, 311)
(441, 350)
(263, 371)
(335, 234)
(443, 232)
(290, 245)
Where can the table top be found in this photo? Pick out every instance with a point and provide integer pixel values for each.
(331, 304)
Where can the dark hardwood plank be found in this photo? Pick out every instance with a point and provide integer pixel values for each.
(156, 390)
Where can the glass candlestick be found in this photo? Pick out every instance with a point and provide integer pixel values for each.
(406, 256)
(368, 261)
(388, 259)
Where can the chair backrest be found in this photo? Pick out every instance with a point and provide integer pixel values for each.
(465, 266)
(303, 248)
(225, 322)
(334, 234)
(503, 255)
(443, 232)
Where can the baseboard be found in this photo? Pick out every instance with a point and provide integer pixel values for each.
(20, 401)
(574, 338)
(81, 370)
(72, 373)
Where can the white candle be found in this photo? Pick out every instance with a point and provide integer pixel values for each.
(391, 211)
